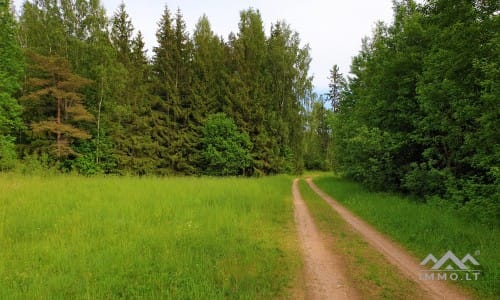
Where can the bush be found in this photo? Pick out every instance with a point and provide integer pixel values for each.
(226, 150)
(424, 180)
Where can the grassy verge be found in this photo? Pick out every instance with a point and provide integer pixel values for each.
(68, 237)
(424, 229)
(367, 270)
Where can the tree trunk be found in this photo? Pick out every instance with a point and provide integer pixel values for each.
(58, 129)
(101, 96)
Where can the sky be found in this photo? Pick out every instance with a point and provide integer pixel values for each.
(332, 28)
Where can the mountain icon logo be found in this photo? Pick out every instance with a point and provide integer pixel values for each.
(450, 262)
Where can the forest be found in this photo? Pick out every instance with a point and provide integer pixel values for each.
(80, 94)
(418, 113)
(421, 112)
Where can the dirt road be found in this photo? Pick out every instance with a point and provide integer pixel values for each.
(394, 253)
(324, 272)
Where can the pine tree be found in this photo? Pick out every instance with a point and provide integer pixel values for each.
(58, 84)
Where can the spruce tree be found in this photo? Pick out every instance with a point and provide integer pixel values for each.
(130, 129)
(208, 69)
(121, 34)
(165, 106)
(337, 82)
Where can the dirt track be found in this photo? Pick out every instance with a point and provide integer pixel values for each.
(323, 270)
(394, 253)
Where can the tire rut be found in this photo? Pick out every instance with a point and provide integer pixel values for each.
(393, 252)
(324, 271)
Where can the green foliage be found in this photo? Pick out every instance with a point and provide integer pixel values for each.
(10, 114)
(424, 179)
(11, 71)
(39, 165)
(87, 163)
(318, 137)
(8, 155)
(226, 150)
(175, 117)
(421, 111)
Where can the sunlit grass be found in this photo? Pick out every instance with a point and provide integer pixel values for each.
(178, 238)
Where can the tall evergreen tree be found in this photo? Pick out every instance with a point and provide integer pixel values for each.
(250, 103)
(130, 129)
(166, 104)
(208, 69)
(184, 148)
(121, 34)
(337, 82)
(57, 84)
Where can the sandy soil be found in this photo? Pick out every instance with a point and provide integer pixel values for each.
(394, 253)
(324, 271)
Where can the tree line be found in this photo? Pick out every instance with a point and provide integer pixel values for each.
(420, 113)
(80, 93)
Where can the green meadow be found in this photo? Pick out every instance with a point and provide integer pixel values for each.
(424, 228)
(69, 237)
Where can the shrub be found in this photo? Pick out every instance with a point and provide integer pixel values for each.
(226, 150)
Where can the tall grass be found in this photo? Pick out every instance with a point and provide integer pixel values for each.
(424, 229)
(177, 238)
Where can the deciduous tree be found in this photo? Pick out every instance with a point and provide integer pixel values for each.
(11, 70)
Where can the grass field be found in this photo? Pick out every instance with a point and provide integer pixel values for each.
(424, 229)
(66, 237)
